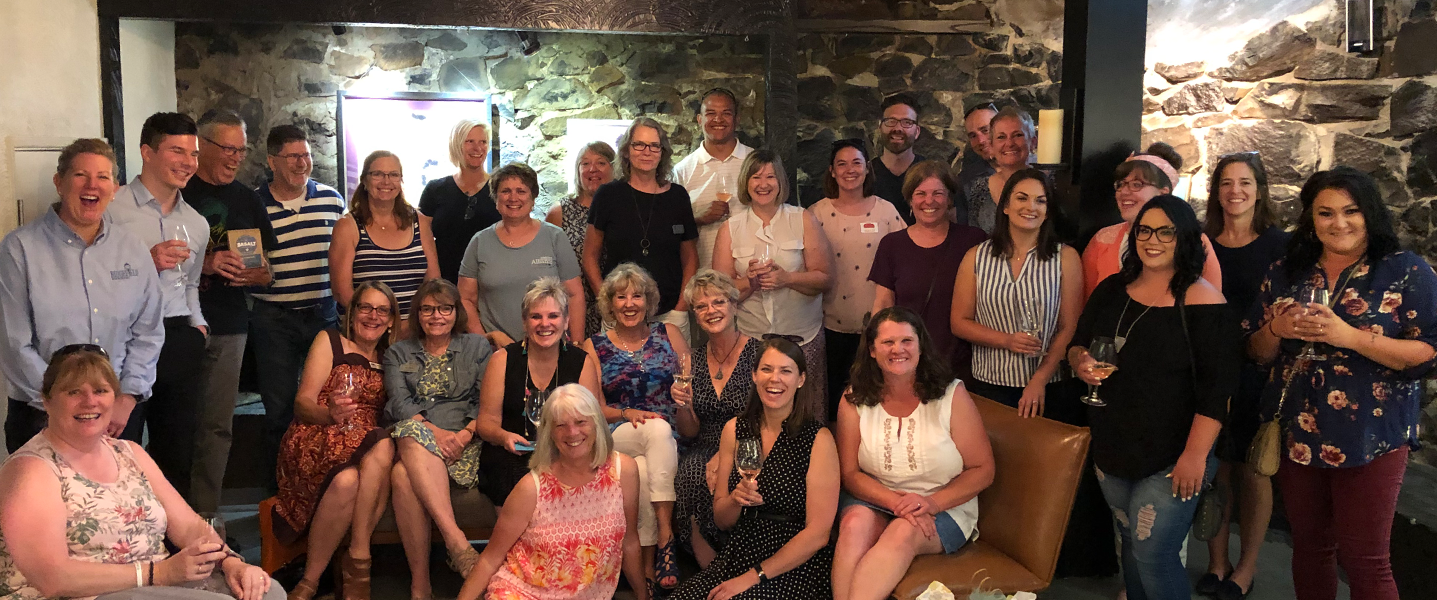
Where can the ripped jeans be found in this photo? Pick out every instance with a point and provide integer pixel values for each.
(1153, 525)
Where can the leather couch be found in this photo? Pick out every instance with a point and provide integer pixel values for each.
(1021, 517)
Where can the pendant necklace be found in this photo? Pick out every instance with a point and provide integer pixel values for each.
(633, 354)
(644, 242)
(718, 373)
(1120, 340)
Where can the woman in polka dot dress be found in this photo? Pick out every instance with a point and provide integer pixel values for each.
(780, 519)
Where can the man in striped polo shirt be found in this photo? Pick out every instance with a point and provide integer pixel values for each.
(299, 305)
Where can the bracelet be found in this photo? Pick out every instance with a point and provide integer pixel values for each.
(139, 575)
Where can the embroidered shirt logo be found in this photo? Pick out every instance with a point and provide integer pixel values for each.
(124, 273)
(547, 261)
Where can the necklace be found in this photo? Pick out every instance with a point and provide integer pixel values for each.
(1120, 340)
(718, 372)
(644, 242)
(623, 347)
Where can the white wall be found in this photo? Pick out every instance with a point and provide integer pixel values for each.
(49, 84)
(147, 70)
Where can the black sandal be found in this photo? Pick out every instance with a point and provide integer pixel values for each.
(665, 565)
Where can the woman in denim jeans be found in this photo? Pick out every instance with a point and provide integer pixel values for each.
(1178, 355)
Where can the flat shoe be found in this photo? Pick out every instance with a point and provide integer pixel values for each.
(303, 590)
(1228, 590)
(1207, 585)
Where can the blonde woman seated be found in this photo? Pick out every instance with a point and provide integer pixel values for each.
(638, 359)
(914, 456)
(433, 382)
(85, 515)
(569, 526)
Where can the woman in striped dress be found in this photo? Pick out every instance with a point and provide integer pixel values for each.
(381, 239)
(1017, 295)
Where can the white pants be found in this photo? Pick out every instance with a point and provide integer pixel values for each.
(657, 455)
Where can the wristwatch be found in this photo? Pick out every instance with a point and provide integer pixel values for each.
(762, 578)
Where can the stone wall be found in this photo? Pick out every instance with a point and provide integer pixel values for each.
(289, 74)
(1293, 94)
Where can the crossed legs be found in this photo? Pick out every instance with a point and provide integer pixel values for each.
(874, 551)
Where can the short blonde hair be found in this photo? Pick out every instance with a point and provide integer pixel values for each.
(709, 281)
(461, 133)
(75, 368)
(565, 401)
(545, 287)
(751, 165)
(628, 276)
(94, 146)
(600, 148)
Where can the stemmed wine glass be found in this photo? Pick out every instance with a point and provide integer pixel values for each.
(1106, 354)
(1310, 297)
(534, 408)
(684, 378)
(1028, 323)
(216, 523)
(748, 458)
(344, 394)
(179, 233)
(763, 257)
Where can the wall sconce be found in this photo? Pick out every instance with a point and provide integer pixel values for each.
(528, 42)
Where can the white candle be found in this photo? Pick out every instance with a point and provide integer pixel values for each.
(1050, 136)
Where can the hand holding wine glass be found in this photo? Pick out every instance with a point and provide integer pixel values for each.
(1312, 298)
(1104, 356)
(1029, 325)
(748, 461)
(534, 409)
(178, 233)
(683, 390)
(342, 401)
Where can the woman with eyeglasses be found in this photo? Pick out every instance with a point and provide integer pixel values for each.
(1012, 140)
(504, 259)
(1176, 351)
(854, 220)
(381, 239)
(432, 378)
(456, 207)
(916, 268)
(593, 168)
(645, 219)
(1243, 222)
(1346, 379)
(1140, 178)
(335, 459)
(87, 515)
(777, 255)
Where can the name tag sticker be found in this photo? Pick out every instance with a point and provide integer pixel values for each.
(124, 273)
(546, 261)
(679, 229)
(869, 227)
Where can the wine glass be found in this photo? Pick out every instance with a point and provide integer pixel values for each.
(1311, 297)
(763, 257)
(534, 409)
(344, 394)
(1106, 354)
(179, 233)
(723, 192)
(748, 458)
(216, 523)
(1028, 323)
(684, 378)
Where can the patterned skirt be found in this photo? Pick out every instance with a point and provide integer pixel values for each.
(464, 472)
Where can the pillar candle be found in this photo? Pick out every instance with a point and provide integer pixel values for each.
(1050, 136)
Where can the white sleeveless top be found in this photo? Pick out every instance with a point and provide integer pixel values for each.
(917, 455)
(785, 311)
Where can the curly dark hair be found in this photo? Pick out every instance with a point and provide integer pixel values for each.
(1304, 248)
(866, 378)
(1264, 214)
(1048, 244)
(806, 407)
(1189, 256)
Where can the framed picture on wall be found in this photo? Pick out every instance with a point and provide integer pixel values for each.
(415, 126)
(582, 132)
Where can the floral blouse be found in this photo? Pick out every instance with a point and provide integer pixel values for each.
(1348, 410)
(641, 379)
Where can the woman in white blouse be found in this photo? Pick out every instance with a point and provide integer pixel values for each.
(779, 259)
(913, 455)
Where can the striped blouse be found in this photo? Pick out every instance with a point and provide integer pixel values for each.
(301, 259)
(1000, 300)
(401, 269)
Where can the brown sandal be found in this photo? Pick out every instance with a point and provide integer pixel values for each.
(463, 562)
(303, 590)
(356, 577)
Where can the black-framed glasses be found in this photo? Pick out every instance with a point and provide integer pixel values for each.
(645, 146)
(792, 338)
(428, 310)
(295, 156)
(1165, 234)
(230, 151)
(1134, 185)
(893, 122)
(382, 175)
(370, 309)
(77, 348)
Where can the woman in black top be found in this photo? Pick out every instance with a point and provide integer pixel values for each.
(540, 362)
(459, 206)
(1178, 357)
(1243, 224)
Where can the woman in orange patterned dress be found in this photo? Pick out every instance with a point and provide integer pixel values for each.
(567, 528)
(334, 461)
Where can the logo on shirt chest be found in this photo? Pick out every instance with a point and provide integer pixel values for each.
(868, 227)
(543, 261)
(124, 273)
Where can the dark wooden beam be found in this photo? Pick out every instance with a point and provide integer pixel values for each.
(112, 98)
(913, 26)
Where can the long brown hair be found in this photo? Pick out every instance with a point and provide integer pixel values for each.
(806, 407)
(1263, 216)
(404, 214)
(866, 378)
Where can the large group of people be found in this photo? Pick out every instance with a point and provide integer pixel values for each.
(679, 359)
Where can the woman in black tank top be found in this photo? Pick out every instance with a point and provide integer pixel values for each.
(536, 365)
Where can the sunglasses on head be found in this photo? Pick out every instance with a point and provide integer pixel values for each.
(77, 348)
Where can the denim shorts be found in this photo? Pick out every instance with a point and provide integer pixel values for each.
(949, 533)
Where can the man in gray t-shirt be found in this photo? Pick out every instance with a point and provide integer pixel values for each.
(502, 274)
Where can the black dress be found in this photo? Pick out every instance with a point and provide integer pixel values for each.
(713, 411)
(762, 531)
(1243, 270)
(500, 469)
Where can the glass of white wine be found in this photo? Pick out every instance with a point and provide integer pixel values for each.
(1106, 354)
(534, 409)
(748, 458)
(683, 379)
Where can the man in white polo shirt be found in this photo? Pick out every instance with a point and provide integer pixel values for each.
(712, 169)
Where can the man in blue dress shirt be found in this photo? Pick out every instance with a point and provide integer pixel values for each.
(151, 208)
(73, 277)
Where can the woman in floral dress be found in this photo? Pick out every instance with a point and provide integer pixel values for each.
(334, 461)
(1349, 418)
(566, 529)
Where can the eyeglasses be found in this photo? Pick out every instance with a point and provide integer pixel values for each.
(1132, 186)
(643, 146)
(892, 122)
(383, 176)
(428, 310)
(230, 151)
(1165, 234)
(77, 348)
(370, 309)
(295, 157)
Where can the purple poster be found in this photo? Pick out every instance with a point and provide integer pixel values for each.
(414, 126)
